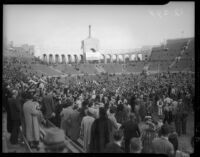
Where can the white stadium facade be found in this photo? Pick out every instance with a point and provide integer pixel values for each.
(91, 51)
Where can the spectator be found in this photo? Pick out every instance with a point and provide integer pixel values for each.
(160, 107)
(100, 132)
(31, 121)
(147, 136)
(130, 129)
(65, 114)
(74, 122)
(14, 105)
(135, 145)
(173, 138)
(54, 141)
(48, 106)
(161, 145)
(85, 132)
(113, 120)
(115, 146)
(8, 94)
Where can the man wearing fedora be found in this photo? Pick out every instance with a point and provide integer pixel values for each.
(14, 105)
(65, 114)
(54, 141)
(115, 145)
(74, 122)
(48, 106)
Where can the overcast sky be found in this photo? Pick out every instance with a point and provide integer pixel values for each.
(62, 27)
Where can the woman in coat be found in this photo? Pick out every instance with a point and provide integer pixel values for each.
(147, 136)
(31, 121)
(85, 132)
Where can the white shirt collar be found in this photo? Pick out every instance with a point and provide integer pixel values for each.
(163, 137)
(118, 143)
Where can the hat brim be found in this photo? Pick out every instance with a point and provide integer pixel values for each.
(55, 145)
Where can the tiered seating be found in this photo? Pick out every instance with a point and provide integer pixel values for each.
(170, 51)
(135, 67)
(164, 66)
(45, 69)
(164, 57)
(66, 69)
(88, 68)
(186, 61)
(117, 68)
(100, 69)
(161, 55)
(69, 69)
(153, 66)
(183, 65)
(175, 46)
(189, 52)
(108, 68)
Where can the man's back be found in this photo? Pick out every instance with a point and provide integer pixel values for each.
(14, 105)
(74, 125)
(113, 148)
(131, 129)
(48, 106)
(162, 146)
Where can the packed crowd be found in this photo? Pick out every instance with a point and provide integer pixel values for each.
(105, 112)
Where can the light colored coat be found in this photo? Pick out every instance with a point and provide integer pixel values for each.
(86, 125)
(160, 106)
(31, 120)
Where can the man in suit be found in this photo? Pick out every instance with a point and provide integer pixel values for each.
(162, 145)
(100, 132)
(115, 146)
(48, 106)
(65, 114)
(131, 129)
(14, 105)
(74, 122)
(8, 94)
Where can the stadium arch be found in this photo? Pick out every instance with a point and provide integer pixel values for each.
(132, 57)
(114, 58)
(69, 59)
(81, 59)
(126, 58)
(139, 57)
(45, 58)
(120, 58)
(108, 58)
(104, 58)
(76, 58)
(51, 58)
(57, 58)
(63, 59)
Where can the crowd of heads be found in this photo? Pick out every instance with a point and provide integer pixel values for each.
(113, 92)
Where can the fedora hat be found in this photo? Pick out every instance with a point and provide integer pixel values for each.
(54, 138)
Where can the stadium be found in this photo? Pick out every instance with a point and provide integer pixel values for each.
(97, 100)
(176, 55)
